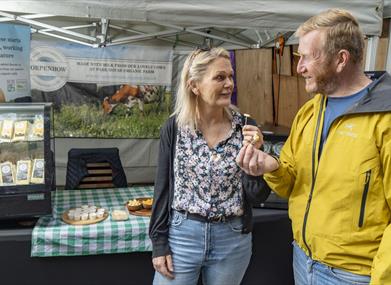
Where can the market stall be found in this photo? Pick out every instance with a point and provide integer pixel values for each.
(118, 252)
(178, 26)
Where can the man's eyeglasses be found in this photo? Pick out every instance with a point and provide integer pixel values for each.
(296, 54)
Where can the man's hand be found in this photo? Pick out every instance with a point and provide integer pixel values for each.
(254, 161)
(163, 265)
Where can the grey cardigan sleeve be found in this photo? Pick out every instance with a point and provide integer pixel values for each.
(255, 188)
(158, 228)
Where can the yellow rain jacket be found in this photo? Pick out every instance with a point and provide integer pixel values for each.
(340, 201)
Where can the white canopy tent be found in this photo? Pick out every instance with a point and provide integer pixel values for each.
(185, 24)
(237, 24)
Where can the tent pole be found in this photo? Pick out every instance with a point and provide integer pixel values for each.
(32, 16)
(191, 30)
(370, 59)
(388, 63)
(39, 24)
(64, 38)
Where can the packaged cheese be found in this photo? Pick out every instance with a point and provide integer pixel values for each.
(7, 130)
(7, 173)
(20, 131)
(38, 173)
(37, 128)
(23, 172)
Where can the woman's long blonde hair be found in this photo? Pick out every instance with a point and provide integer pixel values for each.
(193, 70)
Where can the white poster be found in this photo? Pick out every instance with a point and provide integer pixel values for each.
(14, 62)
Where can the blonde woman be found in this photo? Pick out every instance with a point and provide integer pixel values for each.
(208, 175)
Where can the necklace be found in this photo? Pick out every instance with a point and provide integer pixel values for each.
(217, 153)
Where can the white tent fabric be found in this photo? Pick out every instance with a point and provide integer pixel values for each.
(387, 9)
(270, 14)
(246, 23)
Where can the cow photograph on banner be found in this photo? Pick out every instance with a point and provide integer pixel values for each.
(112, 92)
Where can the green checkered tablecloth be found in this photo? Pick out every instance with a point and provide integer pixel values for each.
(52, 237)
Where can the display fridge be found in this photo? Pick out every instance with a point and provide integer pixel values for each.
(27, 172)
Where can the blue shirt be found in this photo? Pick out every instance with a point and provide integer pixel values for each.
(336, 106)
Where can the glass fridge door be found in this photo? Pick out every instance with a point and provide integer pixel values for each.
(26, 157)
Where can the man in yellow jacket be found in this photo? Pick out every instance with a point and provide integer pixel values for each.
(335, 167)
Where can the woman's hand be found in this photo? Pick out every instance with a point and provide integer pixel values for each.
(163, 265)
(252, 135)
(254, 161)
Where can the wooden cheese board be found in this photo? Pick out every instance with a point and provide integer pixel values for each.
(67, 220)
(141, 212)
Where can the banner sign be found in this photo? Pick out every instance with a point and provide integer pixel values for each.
(53, 66)
(111, 92)
(14, 62)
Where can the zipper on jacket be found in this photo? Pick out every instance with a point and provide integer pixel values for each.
(364, 198)
(314, 172)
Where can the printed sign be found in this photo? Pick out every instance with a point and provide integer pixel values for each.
(52, 66)
(14, 62)
(112, 92)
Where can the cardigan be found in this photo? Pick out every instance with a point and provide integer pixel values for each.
(255, 191)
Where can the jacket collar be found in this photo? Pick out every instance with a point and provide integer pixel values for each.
(378, 98)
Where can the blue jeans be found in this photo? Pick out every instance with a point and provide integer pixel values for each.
(219, 251)
(310, 272)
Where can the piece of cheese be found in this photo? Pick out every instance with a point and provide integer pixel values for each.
(38, 173)
(7, 130)
(20, 131)
(7, 173)
(23, 172)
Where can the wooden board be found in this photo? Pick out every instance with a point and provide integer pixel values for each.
(254, 83)
(142, 212)
(381, 54)
(286, 94)
(286, 62)
(96, 185)
(65, 218)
